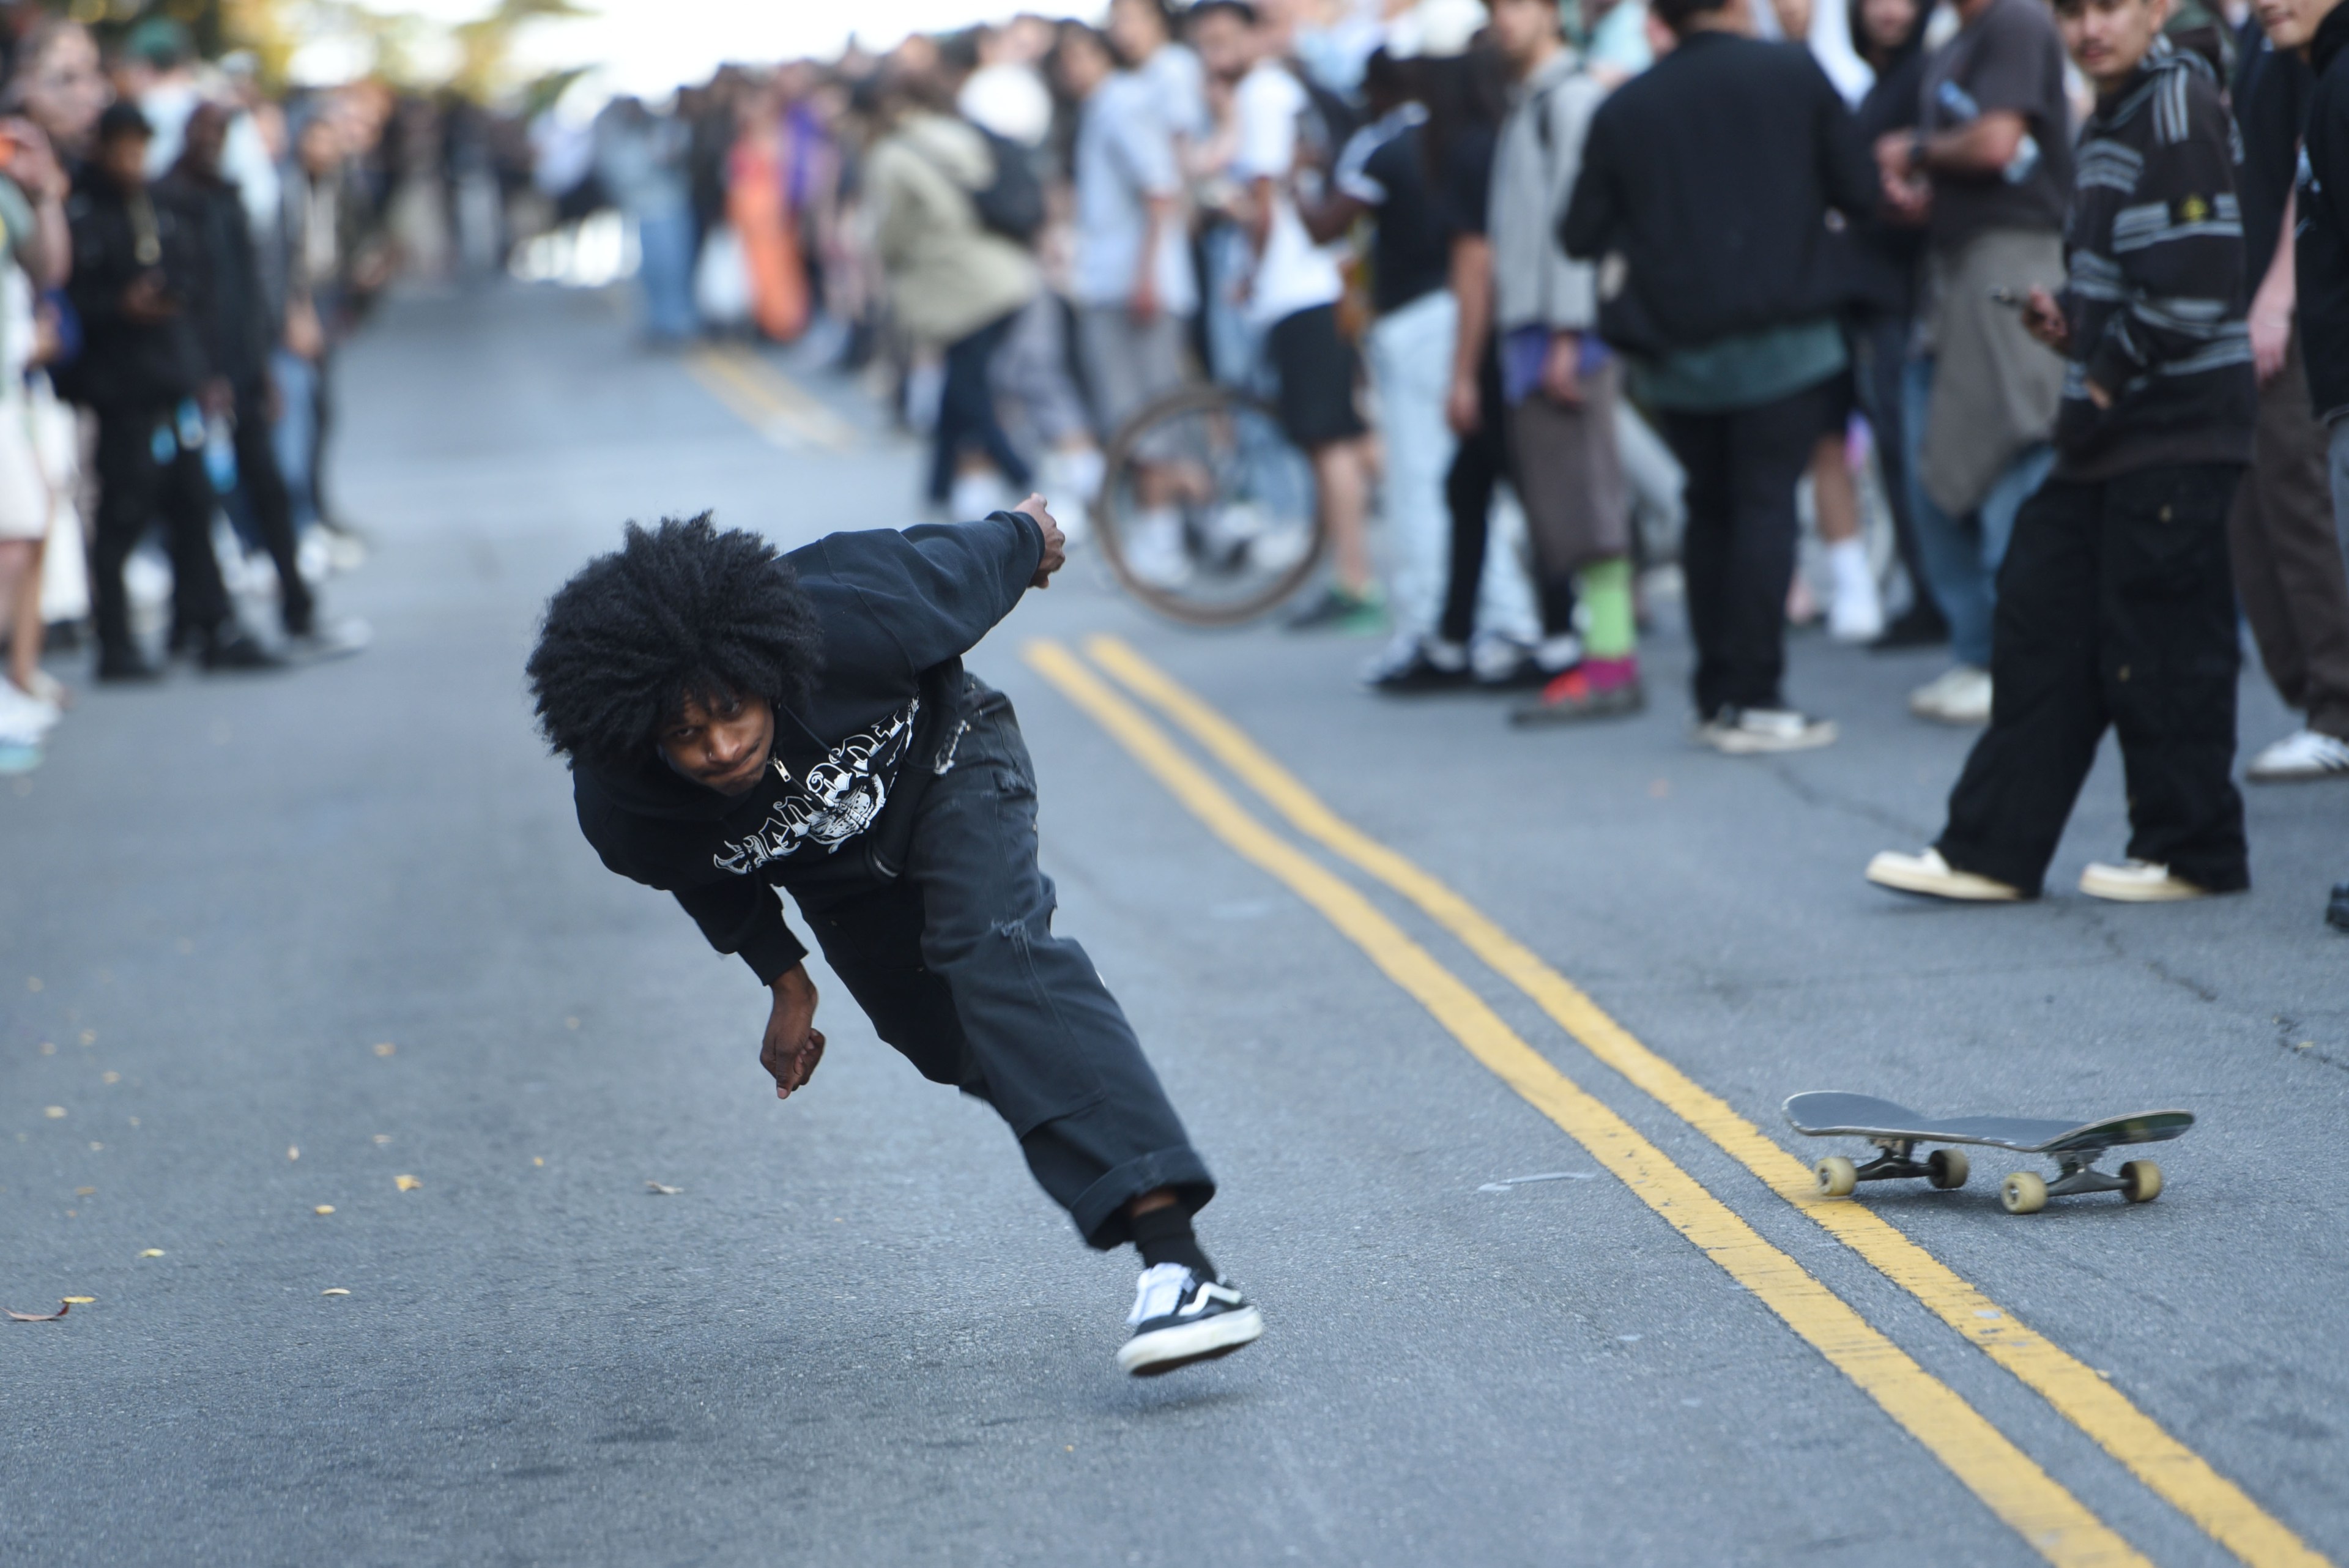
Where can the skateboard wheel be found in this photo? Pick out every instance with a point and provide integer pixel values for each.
(1946, 1169)
(2144, 1178)
(2023, 1193)
(1837, 1176)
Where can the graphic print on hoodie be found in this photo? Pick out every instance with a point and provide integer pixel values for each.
(896, 611)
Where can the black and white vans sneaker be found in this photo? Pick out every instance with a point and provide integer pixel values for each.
(1179, 1318)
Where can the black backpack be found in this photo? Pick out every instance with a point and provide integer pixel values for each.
(1011, 202)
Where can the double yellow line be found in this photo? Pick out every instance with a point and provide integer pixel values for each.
(767, 401)
(2007, 1480)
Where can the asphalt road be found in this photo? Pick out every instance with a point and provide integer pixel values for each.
(346, 912)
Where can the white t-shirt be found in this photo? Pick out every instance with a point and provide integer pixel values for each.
(1124, 156)
(1293, 274)
(1011, 100)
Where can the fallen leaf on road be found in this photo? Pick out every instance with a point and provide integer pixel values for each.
(337, 1291)
(55, 1113)
(80, 1301)
(381, 1139)
(323, 1208)
(405, 1183)
(85, 1191)
(63, 1308)
(110, 1077)
(538, 1159)
(89, 1036)
(293, 1151)
(386, 1049)
(663, 1191)
(152, 1252)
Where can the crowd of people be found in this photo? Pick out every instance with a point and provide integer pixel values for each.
(181, 254)
(1685, 276)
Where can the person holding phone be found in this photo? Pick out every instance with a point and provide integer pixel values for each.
(2116, 603)
(138, 284)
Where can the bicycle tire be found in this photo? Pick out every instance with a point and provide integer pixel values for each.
(1199, 399)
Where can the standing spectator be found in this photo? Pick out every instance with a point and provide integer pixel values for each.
(336, 262)
(1737, 346)
(2318, 30)
(2284, 547)
(641, 159)
(1987, 170)
(1143, 34)
(1881, 313)
(1379, 174)
(137, 285)
(953, 283)
(2115, 606)
(1132, 282)
(1557, 380)
(34, 252)
(236, 331)
(1291, 292)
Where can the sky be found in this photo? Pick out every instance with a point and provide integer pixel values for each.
(650, 46)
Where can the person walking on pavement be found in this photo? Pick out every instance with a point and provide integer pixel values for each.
(2115, 606)
(237, 329)
(2318, 31)
(1557, 380)
(1291, 293)
(139, 288)
(953, 282)
(737, 721)
(1987, 170)
(1737, 346)
(2285, 548)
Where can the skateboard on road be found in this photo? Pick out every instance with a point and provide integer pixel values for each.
(1896, 1130)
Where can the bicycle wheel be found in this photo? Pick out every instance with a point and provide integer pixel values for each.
(1207, 513)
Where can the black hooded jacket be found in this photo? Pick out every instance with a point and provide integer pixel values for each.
(2321, 252)
(119, 235)
(898, 611)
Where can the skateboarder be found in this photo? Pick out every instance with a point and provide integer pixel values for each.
(737, 720)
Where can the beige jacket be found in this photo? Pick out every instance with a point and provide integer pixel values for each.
(949, 275)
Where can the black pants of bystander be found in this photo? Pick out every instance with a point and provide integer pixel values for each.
(1738, 554)
(2115, 608)
(967, 412)
(144, 472)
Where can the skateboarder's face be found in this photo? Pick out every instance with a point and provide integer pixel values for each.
(722, 743)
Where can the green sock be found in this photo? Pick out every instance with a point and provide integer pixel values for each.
(1605, 590)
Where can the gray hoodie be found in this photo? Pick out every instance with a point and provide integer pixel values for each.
(1534, 170)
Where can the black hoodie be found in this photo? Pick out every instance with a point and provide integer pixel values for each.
(898, 611)
(2320, 250)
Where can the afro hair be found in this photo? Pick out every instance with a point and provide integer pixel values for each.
(681, 610)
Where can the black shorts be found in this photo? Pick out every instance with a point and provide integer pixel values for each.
(1317, 369)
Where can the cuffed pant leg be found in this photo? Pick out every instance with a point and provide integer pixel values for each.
(1052, 1049)
(2047, 703)
(2169, 666)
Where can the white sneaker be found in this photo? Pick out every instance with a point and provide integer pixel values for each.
(1935, 877)
(1746, 731)
(1153, 549)
(1960, 695)
(2304, 755)
(1179, 1318)
(1856, 613)
(337, 637)
(2138, 882)
(23, 716)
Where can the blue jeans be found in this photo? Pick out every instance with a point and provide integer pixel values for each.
(1961, 554)
(665, 270)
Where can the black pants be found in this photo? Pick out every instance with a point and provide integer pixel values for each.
(958, 967)
(1738, 554)
(2114, 606)
(966, 411)
(263, 483)
(1478, 465)
(145, 472)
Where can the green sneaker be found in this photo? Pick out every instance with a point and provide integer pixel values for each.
(1336, 609)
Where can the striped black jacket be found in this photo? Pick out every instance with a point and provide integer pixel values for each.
(2155, 297)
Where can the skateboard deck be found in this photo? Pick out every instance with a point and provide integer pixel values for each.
(1864, 1116)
